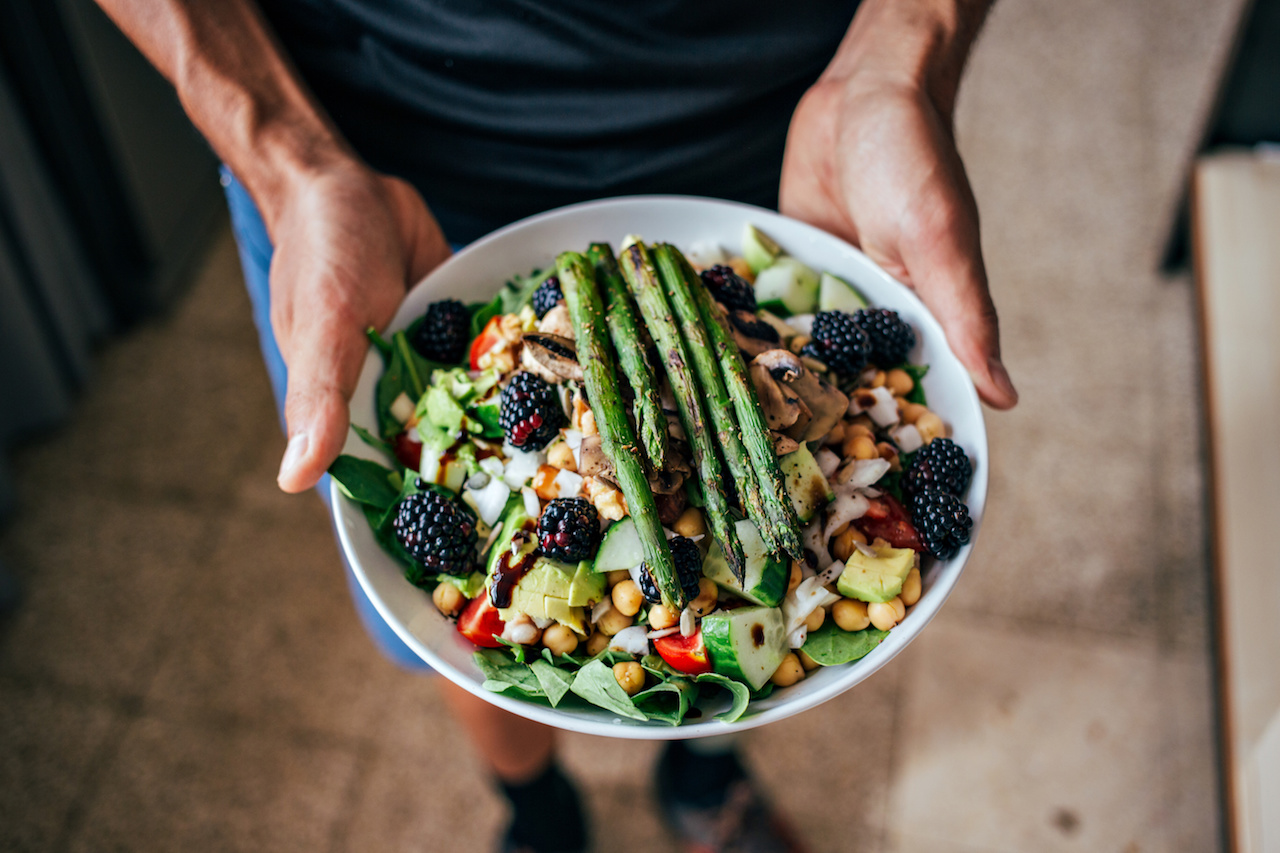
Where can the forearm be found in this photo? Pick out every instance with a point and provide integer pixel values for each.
(239, 89)
(913, 43)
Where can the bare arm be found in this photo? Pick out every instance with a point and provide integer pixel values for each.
(347, 239)
(871, 157)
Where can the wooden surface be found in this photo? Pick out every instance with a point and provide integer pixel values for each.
(1236, 228)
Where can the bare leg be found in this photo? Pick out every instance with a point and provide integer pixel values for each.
(516, 749)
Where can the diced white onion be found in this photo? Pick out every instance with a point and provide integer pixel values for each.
(827, 461)
(573, 438)
(907, 437)
(802, 323)
(568, 484)
(402, 408)
(492, 466)
(665, 632)
(865, 550)
(602, 607)
(704, 253)
(532, 506)
(489, 501)
(885, 411)
(688, 622)
(817, 543)
(520, 466)
(630, 640)
(797, 637)
(847, 506)
(863, 473)
(830, 573)
(429, 466)
(803, 600)
(542, 622)
(872, 492)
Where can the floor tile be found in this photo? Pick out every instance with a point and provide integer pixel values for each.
(1029, 741)
(49, 747)
(176, 786)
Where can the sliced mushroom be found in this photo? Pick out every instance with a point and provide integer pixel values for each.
(752, 334)
(557, 322)
(591, 459)
(820, 404)
(551, 357)
(783, 444)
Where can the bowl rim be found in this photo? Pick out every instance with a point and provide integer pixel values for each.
(610, 725)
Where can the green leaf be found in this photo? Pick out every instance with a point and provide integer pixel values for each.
(917, 372)
(740, 692)
(382, 344)
(519, 291)
(829, 645)
(470, 586)
(407, 373)
(364, 481)
(668, 701)
(554, 681)
(373, 441)
(502, 673)
(517, 650)
(483, 312)
(595, 683)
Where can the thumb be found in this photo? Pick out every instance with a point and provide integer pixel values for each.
(325, 360)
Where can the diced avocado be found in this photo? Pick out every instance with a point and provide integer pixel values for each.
(621, 548)
(790, 284)
(560, 610)
(587, 586)
(764, 576)
(546, 577)
(877, 578)
(809, 490)
(836, 294)
(746, 643)
(758, 249)
(512, 521)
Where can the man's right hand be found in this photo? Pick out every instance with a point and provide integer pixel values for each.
(348, 242)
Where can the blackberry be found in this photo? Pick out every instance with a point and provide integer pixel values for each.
(547, 296)
(940, 464)
(752, 327)
(891, 337)
(942, 520)
(729, 289)
(688, 562)
(444, 333)
(838, 342)
(530, 415)
(569, 530)
(437, 532)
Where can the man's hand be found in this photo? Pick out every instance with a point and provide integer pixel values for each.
(872, 159)
(347, 244)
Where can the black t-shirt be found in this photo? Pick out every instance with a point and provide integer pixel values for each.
(496, 110)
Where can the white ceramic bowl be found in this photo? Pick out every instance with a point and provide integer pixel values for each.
(475, 273)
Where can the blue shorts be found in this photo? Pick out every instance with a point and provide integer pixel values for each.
(255, 257)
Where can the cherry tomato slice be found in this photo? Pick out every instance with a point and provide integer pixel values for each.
(687, 654)
(479, 622)
(890, 524)
(484, 341)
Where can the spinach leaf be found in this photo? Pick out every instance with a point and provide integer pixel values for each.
(829, 645)
(554, 681)
(741, 694)
(595, 683)
(483, 312)
(517, 650)
(383, 345)
(917, 372)
(668, 701)
(373, 441)
(502, 673)
(407, 373)
(519, 291)
(364, 481)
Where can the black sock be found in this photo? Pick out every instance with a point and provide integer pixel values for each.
(546, 813)
(701, 781)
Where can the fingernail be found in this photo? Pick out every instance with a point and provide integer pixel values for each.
(1001, 377)
(293, 454)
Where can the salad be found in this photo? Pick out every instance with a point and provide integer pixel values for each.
(634, 480)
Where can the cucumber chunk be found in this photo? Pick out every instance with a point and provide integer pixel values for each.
(765, 576)
(789, 284)
(836, 294)
(621, 548)
(809, 490)
(758, 248)
(746, 643)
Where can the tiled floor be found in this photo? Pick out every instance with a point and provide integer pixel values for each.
(187, 674)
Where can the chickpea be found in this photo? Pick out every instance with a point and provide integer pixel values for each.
(836, 436)
(690, 523)
(797, 575)
(889, 454)
(560, 640)
(899, 382)
(630, 676)
(807, 662)
(911, 588)
(613, 621)
(708, 592)
(850, 614)
(878, 380)
(448, 599)
(617, 576)
(561, 456)
(911, 412)
(742, 269)
(815, 619)
(522, 630)
(627, 598)
(899, 609)
(597, 643)
(862, 447)
(788, 672)
(930, 427)
(864, 420)
(660, 617)
(842, 547)
(882, 614)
